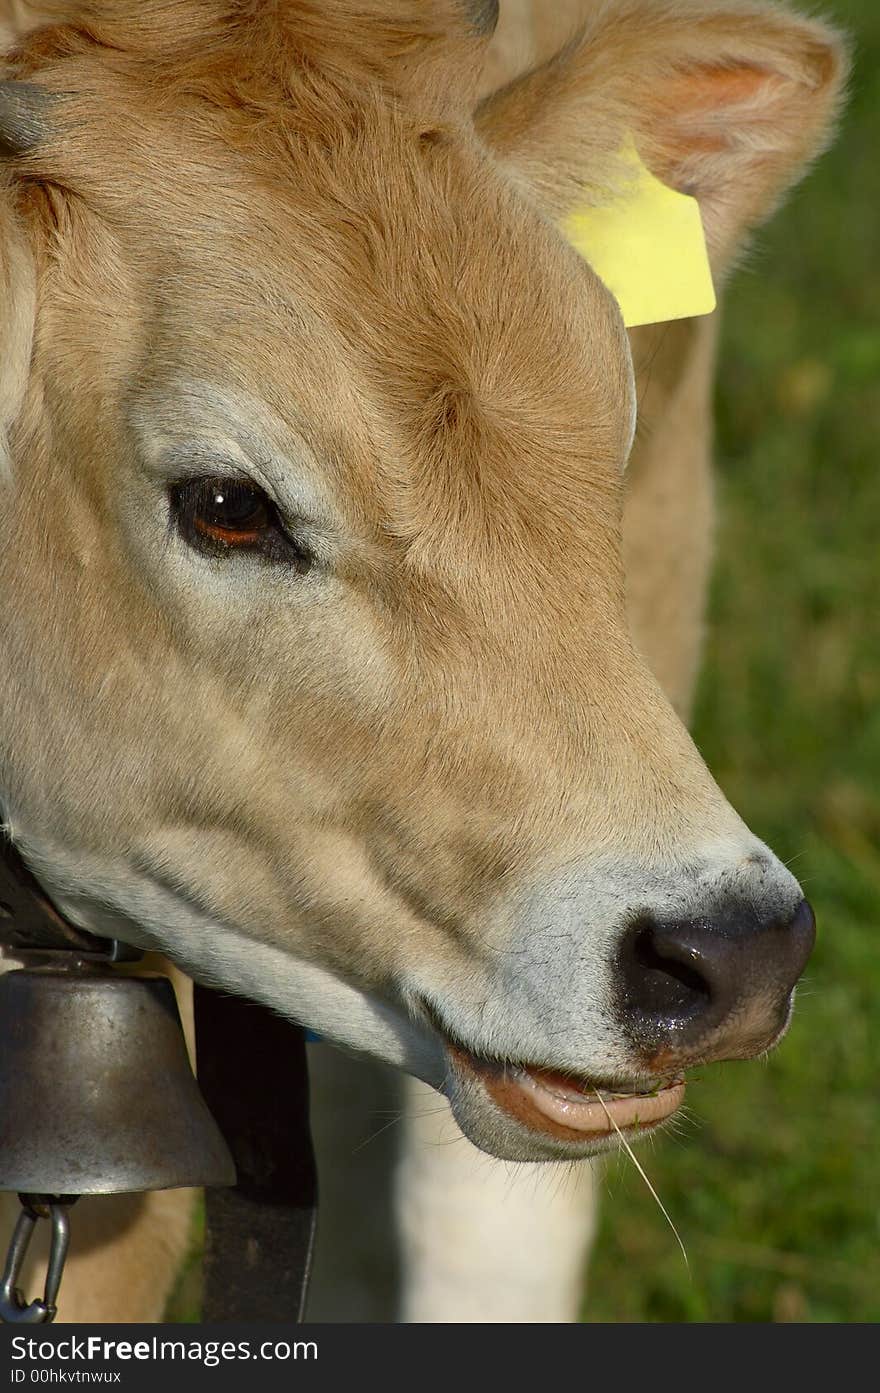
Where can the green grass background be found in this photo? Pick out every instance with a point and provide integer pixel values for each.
(774, 1180)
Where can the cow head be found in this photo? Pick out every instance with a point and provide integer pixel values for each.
(315, 667)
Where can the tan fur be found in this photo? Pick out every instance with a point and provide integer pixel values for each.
(466, 396)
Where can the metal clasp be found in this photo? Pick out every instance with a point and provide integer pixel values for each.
(14, 1308)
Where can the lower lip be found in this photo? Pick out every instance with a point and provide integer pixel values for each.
(545, 1102)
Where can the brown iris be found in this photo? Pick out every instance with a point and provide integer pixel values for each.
(219, 515)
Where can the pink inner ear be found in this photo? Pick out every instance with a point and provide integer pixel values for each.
(717, 87)
(712, 87)
(698, 104)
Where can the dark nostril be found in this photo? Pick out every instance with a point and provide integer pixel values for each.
(662, 975)
(724, 981)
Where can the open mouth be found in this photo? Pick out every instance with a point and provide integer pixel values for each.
(566, 1108)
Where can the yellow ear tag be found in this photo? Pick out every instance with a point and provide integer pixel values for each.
(648, 247)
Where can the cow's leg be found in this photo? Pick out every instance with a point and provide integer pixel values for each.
(485, 1240)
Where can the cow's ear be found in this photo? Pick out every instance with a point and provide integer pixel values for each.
(726, 101)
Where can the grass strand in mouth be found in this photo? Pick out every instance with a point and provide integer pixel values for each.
(641, 1170)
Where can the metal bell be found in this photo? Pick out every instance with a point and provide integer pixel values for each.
(96, 1091)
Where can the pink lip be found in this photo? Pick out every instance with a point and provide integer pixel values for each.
(548, 1102)
(569, 1107)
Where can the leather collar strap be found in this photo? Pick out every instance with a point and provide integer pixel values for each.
(29, 922)
(260, 1233)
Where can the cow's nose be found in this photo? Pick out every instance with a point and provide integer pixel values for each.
(712, 988)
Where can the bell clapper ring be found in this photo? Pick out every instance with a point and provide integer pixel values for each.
(14, 1308)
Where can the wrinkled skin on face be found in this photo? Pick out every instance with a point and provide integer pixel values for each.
(395, 767)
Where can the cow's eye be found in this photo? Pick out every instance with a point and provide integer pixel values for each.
(220, 515)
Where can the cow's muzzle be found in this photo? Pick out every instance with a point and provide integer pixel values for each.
(714, 987)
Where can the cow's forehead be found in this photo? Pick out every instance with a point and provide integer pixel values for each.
(388, 293)
(297, 216)
(423, 299)
(412, 414)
